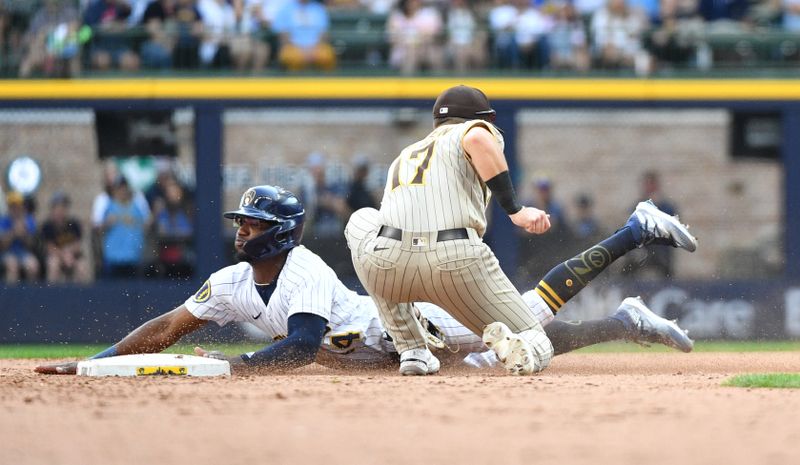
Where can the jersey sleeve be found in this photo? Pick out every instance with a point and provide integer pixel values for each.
(469, 125)
(212, 302)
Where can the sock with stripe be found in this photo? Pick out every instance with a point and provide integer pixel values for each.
(567, 279)
(567, 336)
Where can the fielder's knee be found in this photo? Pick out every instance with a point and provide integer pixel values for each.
(541, 346)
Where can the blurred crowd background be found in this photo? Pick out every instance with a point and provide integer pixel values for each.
(132, 233)
(75, 209)
(104, 211)
(129, 233)
(70, 38)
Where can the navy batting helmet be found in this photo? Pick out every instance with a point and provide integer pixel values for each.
(275, 205)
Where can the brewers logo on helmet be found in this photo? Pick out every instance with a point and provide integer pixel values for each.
(278, 207)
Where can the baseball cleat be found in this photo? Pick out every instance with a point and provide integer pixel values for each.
(418, 362)
(652, 226)
(512, 350)
(645, 327)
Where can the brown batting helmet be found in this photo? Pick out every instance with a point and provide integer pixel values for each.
(463, 102)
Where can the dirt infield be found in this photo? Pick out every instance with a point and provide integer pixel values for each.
(639, 408)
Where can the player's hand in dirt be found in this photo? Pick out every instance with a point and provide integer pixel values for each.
(532, 220)
(68, 368)
(215, 354)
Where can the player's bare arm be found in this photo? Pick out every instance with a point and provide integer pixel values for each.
(160, 332)
(484, 151)
(490, 163)
(151, 337)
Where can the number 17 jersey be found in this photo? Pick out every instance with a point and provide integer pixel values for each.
(432, 185)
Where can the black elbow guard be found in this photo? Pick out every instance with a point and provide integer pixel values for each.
(503, 191)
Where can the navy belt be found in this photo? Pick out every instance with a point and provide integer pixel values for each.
(441, 236)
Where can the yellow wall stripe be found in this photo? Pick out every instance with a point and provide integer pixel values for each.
(549, 302)
(550, 291)
(391, 88)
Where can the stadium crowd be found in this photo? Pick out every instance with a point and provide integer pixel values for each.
(131, 233)
(64, 38)
(149, 233)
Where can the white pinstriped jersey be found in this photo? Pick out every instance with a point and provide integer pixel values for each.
(307, 285)
(438, 174)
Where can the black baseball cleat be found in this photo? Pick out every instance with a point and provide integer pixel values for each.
(645, 327)
(650, 225)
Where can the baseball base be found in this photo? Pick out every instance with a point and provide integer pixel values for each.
(154, 365)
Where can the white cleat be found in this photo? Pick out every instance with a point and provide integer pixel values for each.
(512, 350)
(646, 327)
(656, 227)
(418, 362)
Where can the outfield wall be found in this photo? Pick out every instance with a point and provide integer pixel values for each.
(522, 105)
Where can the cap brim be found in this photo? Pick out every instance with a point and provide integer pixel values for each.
(250, 213)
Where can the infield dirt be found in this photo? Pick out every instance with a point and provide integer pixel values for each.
(632, 408)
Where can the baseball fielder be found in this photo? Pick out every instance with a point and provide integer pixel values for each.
(291, 295)
(425, 242)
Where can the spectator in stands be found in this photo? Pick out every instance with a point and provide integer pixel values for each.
(250, 47)
(724, 12)
(219, 27)
(61, 236)
(138, 8)
(260, 14)
(101, 201)
(567, 40)
(326, 214)
(379, 7)
(100, 206)
(587, 8)
(112, 42)
(15, 17)
(651, 9)
(303, 28)
(173, 29)
(156, 193)
(158, 21)
(53, 47)
(124, 226)
(174, 230)
(326, 208)
(617, 37)
(466, 41)
(586, 229)
(543, 199)
(530, 31)
(679, 31)
(791, 15)
(358, 195)
(502, 24)
(414, 33)
(189, 27)
(536, 251)
(18, 241)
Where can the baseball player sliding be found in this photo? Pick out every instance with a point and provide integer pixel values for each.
(425, 243)
(291, 295)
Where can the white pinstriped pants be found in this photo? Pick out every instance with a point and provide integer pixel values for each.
(461, 276)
